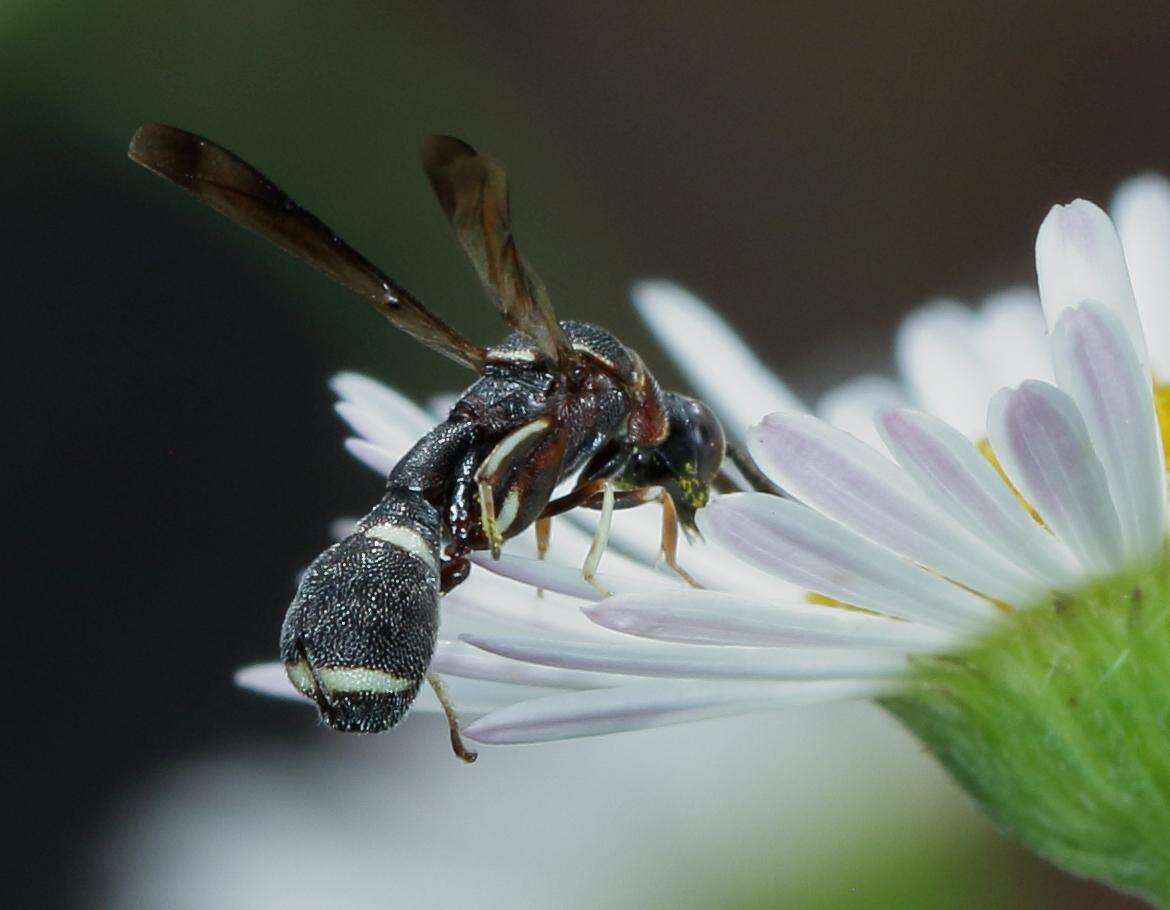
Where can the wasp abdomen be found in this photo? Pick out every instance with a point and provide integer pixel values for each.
(360, 632)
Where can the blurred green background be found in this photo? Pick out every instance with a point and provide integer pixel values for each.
(812, 169)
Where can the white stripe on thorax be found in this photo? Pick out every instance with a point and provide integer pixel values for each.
(508, 445)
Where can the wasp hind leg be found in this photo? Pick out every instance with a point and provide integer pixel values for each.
(452, 721)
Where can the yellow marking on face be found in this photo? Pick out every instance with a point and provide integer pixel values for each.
(693, 488)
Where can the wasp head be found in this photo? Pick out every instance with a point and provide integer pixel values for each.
(686, 462)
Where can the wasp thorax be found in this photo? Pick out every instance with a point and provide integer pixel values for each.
(359, 634)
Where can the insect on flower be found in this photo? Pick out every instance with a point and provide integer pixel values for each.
(553, 401)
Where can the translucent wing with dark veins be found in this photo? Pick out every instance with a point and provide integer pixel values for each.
(473, 191)
(236, 189)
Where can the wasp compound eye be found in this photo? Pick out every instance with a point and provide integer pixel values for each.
(696, 444)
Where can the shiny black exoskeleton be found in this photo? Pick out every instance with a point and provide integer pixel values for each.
(553, 401)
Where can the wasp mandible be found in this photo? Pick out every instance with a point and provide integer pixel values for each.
(552, 401)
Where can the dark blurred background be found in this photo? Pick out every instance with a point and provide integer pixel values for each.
(812, 169)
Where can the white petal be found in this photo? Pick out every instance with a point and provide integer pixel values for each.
(1040, 439)
(439, 406)
(1096, 366)
(723, 370)
(852, 405)
(939, 357)
(637, 533)
(851, 483)
(806, 548)
(1079, 257)
(1011, 336)
(468, 661)
(340, 528)
(499, 604)
(541, 573)
(268, 679)
(695, 662)
(395, 409)
(374, 457)
(371, 426)
(715, 618)
(1141, 210)
(649, 705)
(948, 467)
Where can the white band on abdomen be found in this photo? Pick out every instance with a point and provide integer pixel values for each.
(346, 679)
(405, 539)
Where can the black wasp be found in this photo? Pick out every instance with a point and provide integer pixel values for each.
(554, 400)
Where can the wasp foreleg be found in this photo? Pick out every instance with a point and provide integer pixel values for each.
(668, 549)
(452, 721)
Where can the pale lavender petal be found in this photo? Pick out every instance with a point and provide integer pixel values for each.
(852, 405)
(715, 618)
(469, 661)
(954, 473)
(372, 456)
(1079, 257)
(724, 371)
(945, 374)
(1096, 366)
(1012, 338)
(1040, 439)
(691, 662)
(370, 395)
(849, 482)
(1141, 210)
(655, 704)
(541, 573)
(808, 549)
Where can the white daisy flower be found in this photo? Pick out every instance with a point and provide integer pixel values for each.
(1008, 475)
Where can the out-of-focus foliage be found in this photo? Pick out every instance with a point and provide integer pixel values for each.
(332, 101)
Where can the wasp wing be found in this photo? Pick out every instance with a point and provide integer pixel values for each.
(473, 191)
(236, 189)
